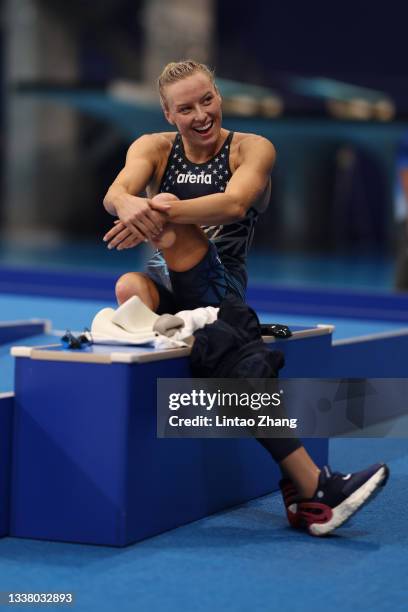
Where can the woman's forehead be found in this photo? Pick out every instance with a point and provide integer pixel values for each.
(188, 89)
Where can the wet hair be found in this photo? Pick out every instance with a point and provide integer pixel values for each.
(176, 71)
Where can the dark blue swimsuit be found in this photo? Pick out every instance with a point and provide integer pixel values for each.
(223, 269)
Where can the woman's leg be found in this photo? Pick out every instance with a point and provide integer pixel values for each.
(294, 462)
(182, 246)
(139, 284)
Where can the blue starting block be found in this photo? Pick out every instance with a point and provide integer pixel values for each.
(6, 435)
(10, 331)
(87, 466)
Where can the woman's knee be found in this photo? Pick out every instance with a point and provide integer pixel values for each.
(128, 285)
(164, 197)
(136, 283)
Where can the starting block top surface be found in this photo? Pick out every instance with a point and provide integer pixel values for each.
(100, 353)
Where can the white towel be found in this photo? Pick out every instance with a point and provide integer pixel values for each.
(132, 323)
(134, 316)
(195, 319)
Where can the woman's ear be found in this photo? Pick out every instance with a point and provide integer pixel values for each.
(168, 116)
(217, 91)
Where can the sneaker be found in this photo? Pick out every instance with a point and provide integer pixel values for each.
(290, 500)
(337, 498)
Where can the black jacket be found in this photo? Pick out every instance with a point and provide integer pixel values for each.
(232, 346)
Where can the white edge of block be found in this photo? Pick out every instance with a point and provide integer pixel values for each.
(326, 327)
(370, 337)
(147, 357)
(6, 395)
(45, 322)
(319, 330)
(21, 351)
(27, 351)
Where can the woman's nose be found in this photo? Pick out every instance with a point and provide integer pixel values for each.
(200, 113)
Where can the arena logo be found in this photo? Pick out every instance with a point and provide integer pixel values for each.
(194, 178)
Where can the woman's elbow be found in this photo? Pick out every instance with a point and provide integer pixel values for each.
(238, 212)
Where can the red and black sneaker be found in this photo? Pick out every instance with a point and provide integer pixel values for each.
(290, 500)
(337, 498)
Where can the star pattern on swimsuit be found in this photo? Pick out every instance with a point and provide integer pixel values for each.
(217, 168)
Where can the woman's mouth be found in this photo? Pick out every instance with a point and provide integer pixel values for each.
(204, 129)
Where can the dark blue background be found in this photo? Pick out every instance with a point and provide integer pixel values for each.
(329, 38)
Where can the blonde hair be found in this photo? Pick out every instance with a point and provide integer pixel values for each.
(176, 71)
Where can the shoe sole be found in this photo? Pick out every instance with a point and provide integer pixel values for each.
(354, 502)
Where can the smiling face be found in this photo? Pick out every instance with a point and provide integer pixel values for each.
(193, 105)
